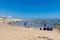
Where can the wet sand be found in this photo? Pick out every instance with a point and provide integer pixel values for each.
(8, 32)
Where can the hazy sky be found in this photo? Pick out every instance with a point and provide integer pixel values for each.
(30, 8)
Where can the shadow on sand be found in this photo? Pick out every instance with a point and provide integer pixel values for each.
(45, 38)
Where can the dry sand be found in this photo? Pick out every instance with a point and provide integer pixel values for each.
(20, 33)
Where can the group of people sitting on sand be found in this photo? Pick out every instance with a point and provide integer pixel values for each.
(45, 27)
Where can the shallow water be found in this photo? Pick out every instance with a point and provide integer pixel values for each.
(32, 24)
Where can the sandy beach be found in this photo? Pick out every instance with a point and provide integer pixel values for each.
(8, 32)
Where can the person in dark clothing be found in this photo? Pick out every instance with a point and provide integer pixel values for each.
(44, 26)
(40, 28)
(49, 28)
(25, 24)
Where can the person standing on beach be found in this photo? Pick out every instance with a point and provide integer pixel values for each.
(44, 26)
(41, 24)
(25, 24)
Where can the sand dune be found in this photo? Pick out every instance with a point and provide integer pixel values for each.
(20, 33)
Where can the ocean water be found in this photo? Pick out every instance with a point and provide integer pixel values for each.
(31, 24)
(35, 24)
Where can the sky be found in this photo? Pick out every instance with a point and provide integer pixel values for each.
(30, 8)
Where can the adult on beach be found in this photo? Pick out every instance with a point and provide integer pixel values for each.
(43, 25)
(50, 28)
(25, 24)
